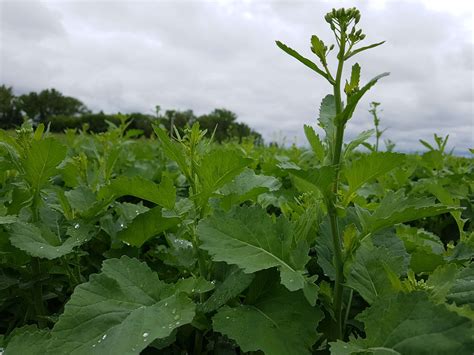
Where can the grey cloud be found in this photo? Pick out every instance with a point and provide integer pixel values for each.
(131, 55)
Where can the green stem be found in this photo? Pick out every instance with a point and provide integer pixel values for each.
(348, 308)
(38, 293)
(332, 211)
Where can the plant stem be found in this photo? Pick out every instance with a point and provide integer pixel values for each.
(38, 293)
(332, 211)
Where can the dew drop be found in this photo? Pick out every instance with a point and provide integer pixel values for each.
(192, 290)
(104, 336)
(76, 226)
(176, 317)
(178, 323)
(173, 311)
(93, 345)
(122, 225)
(166, 304)
(145, 335)
(227, 317)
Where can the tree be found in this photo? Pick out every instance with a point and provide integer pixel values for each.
(10, 115)
(50, 102)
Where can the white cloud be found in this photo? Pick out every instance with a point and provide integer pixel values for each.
(132, 55)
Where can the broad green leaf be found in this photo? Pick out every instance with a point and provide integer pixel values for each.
(247, 237)
(315, 179)
(43, 243)
(367, 168)
(163, 194)
(247, 186)
(279, 322)
(441, 280)
(145, 226)
(41, 161)
(411, 324)
(342, 348)
(315, 142)
(119, 311)
(369, 273)
(28, 340)
(426, 249)
(462, 290)
(396, 208)
(81, 198)
(217, 168)
(235, 282)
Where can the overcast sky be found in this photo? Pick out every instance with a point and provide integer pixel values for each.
(200, 55)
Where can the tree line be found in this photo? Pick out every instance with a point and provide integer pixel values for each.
(62, 112)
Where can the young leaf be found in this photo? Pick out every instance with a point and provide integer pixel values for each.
(315, 142)
(28, 340)
(247, 237)
(462, 290)
(354, 99)
(145, 226)
(119, 311)
(301, 59)
(361, 49)
(327, 114)
(367, 168)
(360, 139)
(278, 322)
(172, 150)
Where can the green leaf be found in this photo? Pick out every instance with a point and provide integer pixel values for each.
(145, 226)
(43, 243)
(354, 99)
(81, 198)
(327, 113)
(301, 59)
(370, 272)
(163, 194)
(360, 139)
(367, 168)
(236, 281)
(361, 49)
(279, 322)
(217, 168)
(342, 348)
(247, 237)
(28, 340)
(315, 179)
(119, 311)
(247, 186)
(396, 208)
(315, 142)
(41, 161)
(172, 150)
(426, 249)
(353, 85)
(8, 219)
(411, 324)
(462, 290)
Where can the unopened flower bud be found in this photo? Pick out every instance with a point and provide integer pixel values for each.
(362, 36)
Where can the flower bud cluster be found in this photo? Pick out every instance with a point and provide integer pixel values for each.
(342, 18)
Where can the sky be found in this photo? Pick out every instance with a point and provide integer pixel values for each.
(129, 56)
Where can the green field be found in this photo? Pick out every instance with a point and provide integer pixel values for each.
(177, 244)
